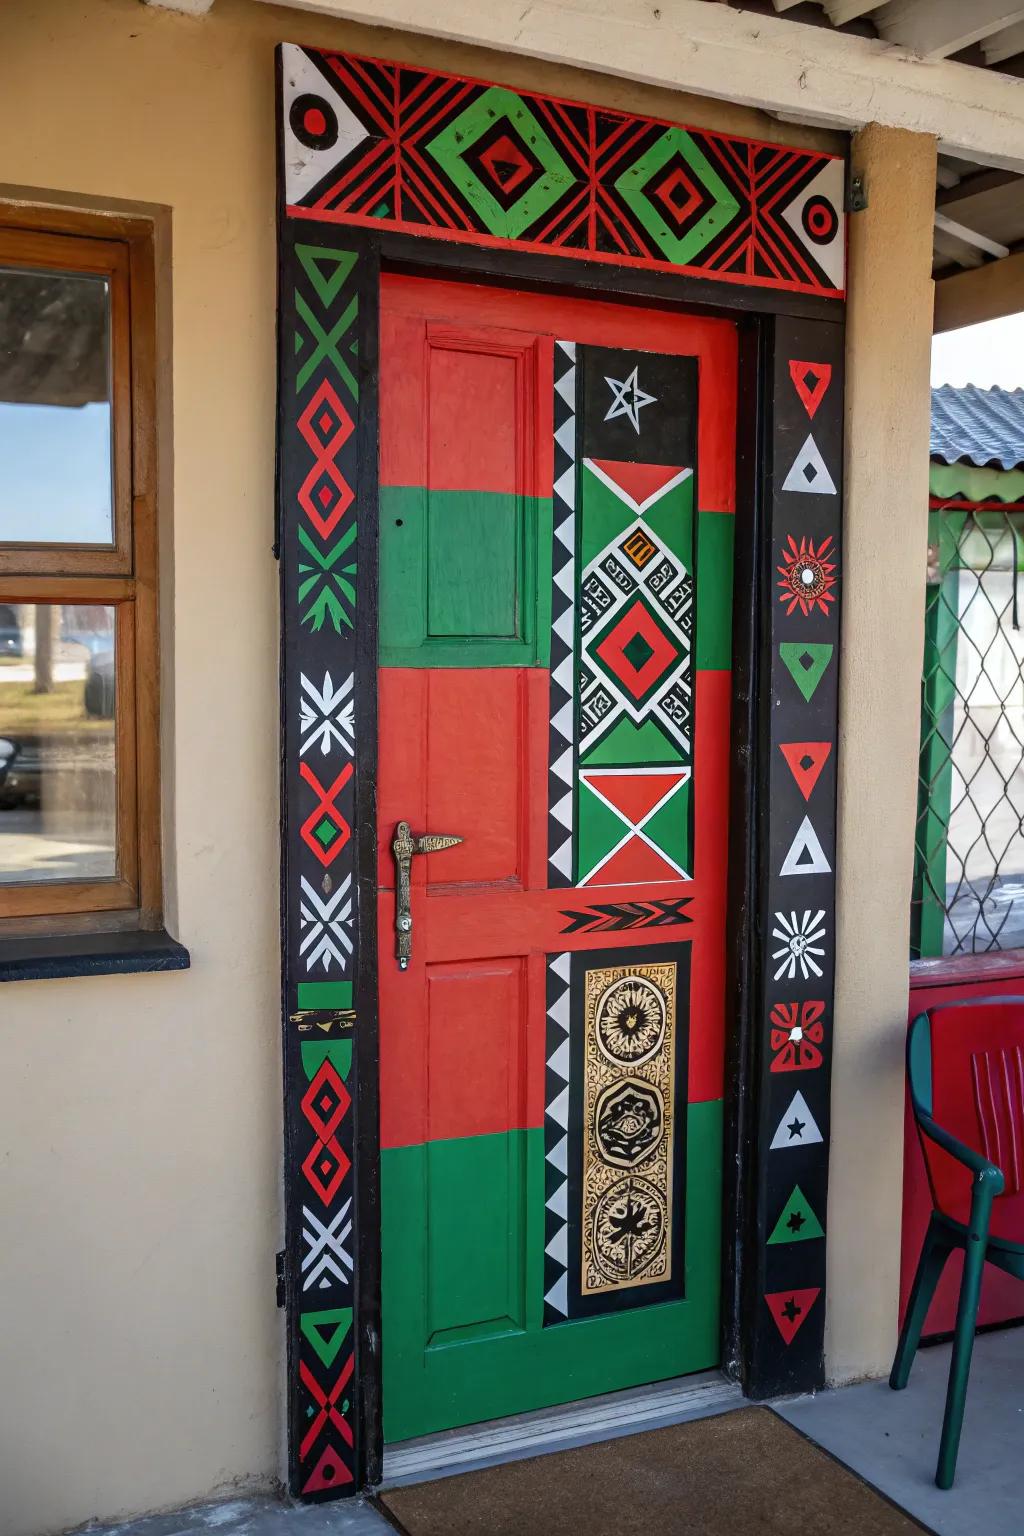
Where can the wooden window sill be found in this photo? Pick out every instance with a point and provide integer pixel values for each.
(47, 957)
(967, 970)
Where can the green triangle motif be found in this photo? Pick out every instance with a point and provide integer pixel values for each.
(338, 1052)
(627, 744)
(327, 1331)
(797, 1223)
(598, 831)
(669, 828)
(326, 270)
(671, 521)
(605, 516)
(806, 663)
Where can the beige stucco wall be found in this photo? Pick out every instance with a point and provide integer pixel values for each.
(140, 1349)
(885, 538)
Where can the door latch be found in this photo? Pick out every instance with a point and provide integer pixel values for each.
(403, 847)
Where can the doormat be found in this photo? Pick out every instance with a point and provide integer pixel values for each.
(742, 1472)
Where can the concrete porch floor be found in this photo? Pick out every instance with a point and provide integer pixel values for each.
(889, 1438)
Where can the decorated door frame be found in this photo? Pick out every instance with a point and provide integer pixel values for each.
(385, 167)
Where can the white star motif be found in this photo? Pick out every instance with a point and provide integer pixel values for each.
(631, 407)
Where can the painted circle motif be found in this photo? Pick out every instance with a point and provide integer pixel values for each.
(629, 1122)
(630, 1021)
(807, 578)
(313, 121)
(820, 220)
(629, 1225)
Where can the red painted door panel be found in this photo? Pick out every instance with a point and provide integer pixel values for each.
(470, 422)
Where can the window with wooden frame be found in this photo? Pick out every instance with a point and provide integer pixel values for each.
(79, 696)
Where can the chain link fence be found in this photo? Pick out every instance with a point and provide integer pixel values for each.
(968, 895)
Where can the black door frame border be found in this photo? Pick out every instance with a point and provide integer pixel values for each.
(769, 708)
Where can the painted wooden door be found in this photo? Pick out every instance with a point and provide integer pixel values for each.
(557, 482)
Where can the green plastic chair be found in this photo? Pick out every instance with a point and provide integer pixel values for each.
(965, 1068)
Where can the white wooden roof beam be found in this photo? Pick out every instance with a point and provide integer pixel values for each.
(839, 79)
(1004, 45)
(933, 29)
(842, 11)
(970, 236)
(186, 7)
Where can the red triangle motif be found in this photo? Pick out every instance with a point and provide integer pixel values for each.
(805, 772)
(790, 1309)
(639, 481)
(810, 380)
(329, 1472)
(636, 862)
(634, 794)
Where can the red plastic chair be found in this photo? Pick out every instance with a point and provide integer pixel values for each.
(965, 1066)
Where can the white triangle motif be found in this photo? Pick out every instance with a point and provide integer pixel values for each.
(827, 187)
(797, 1128)
(558, 1296)
(558, 1157)
(809, 473)
(305, 164)
(558, 1061)
(806, 855)
(559, 1202)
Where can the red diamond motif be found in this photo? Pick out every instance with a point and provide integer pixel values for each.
(637, 631)
(506, 163)
(326, 426)
(679, 195)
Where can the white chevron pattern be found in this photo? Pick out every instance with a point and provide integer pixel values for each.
(556, 1142)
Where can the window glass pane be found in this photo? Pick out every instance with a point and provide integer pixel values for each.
(57, 769)
(56, 481)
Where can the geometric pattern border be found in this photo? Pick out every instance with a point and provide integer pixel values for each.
(794, 1030)
(561, 758)
(387, 145)
(318, 519)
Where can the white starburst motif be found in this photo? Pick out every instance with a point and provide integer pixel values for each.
(799, 940)
(631, 406)
(326, 715)
(326, 1258)
(324, 924)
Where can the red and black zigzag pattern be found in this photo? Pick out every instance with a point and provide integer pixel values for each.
(365, 145)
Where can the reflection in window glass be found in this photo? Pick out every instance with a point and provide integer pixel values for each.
(57, 762)
(55, 419)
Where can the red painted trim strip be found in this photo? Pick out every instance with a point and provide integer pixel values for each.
(495, 242)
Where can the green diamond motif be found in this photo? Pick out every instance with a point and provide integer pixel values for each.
(637, 186)
(326, 832)
(516, 152)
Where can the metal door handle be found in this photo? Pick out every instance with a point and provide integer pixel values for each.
(403, 847)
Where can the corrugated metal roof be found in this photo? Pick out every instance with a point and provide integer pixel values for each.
(978, 426)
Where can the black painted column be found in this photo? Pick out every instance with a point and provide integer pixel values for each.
(793, 977)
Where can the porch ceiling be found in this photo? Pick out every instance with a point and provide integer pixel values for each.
(979, 210)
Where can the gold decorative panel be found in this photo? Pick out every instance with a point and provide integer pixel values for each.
(629, 1045)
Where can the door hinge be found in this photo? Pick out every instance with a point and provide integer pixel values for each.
(279, 1273)
(856, 194)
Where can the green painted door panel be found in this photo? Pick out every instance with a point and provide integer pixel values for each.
(715, 538)
(461, 583)
(476, 1269)
(464, 1341)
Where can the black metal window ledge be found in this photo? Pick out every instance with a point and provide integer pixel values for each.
(47, 957)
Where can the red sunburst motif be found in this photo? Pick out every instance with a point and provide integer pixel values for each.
(807, 576)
